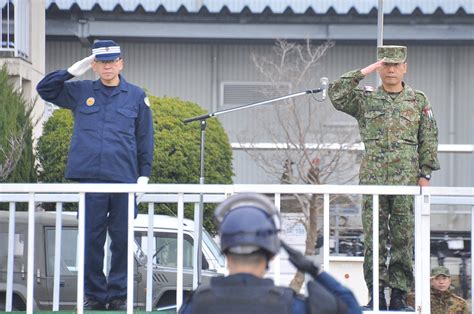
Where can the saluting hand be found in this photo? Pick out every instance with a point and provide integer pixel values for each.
(373, 67)
(82, 66)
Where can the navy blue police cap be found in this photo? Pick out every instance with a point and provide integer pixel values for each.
(106, 50)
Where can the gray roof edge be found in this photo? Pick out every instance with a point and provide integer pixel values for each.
(405, 7)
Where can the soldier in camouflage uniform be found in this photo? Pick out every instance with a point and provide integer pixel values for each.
(443, 299)
(401, 138)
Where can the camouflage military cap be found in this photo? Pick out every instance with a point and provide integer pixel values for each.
(440, 270)
(392, 54)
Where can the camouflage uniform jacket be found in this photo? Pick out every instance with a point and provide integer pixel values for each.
(399, 132)
(446, 302)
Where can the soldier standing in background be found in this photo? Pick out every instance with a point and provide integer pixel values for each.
(401, 139)
(443, 299)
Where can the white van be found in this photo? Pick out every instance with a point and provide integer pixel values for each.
(164, 260)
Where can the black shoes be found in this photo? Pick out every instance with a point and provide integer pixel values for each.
(118, 304)
(382, 301)
(93, 304)
(398, 301)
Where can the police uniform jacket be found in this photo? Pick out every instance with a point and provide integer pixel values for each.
(113, 129)
(398, 130)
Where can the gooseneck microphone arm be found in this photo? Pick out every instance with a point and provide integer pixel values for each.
(200, 215)
(218, 113)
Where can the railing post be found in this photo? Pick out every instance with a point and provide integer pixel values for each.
(31, 254)
(326, 230)
(422, 251)
(11, 253)
(472, 213)
(149, 253)
(130, 260)
(197, 223)
(179, 275)
(276, 261)
(81, 252)
(57, 255)
(375, 251)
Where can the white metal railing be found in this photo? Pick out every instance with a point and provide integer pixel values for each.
(442, 148)
(15, 27)
(183, 193)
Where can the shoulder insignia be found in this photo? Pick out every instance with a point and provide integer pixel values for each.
(146, 101)
(427, 112)
(419, 92)
(458, 298)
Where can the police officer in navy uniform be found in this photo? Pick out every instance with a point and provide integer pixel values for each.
(248, 230)
(112, 142)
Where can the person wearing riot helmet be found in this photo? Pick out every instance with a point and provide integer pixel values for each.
(248, 227)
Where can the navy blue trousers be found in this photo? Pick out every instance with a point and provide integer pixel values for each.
(106, 212)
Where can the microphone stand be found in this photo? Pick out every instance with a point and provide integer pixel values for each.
(203, 121)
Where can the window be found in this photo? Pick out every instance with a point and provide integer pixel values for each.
(215, 250)
(68, 260)
(18, 248)
(165, 249)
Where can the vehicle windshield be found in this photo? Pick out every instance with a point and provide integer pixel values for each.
(139, 254)
(215, 250)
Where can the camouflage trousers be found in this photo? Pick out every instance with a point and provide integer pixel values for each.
(396, 230)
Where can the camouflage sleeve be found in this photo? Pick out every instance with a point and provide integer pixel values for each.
(344, 94)
(427, 137)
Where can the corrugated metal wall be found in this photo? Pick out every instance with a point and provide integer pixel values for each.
(196, 71)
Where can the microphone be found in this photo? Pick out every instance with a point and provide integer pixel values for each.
(324, 87)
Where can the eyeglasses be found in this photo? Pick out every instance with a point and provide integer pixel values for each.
(104, 62)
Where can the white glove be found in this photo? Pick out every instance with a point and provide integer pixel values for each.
(141, 181)
(81, 67)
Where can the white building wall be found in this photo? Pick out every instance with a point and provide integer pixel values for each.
(195, 71)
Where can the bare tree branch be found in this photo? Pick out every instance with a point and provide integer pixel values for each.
(299, 121)
(12, 155)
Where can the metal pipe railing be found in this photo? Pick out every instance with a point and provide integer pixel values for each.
(180, 194)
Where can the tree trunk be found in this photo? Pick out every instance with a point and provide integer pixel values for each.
(297, 282)
(311, 236)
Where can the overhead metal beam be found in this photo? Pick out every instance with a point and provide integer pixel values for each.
(151, 30)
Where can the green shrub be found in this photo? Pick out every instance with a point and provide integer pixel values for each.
(16, 129)
(176, 156)
(53, 147)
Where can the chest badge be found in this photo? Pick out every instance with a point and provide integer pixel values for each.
(369, 89)
(90, 101)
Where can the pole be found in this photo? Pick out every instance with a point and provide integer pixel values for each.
(203, 121)
(201, 203)
(379, 30)
(472, 213)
